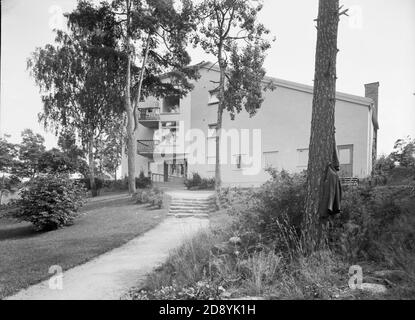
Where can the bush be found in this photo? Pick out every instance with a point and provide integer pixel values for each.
(153, 196)
(86, 183)
(115, 185)
(262, 212)
(142, 181)
(260, 251)
(375, 223)
(199, 183)
(50, 201)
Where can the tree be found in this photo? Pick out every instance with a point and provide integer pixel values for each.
(30, 151)
(8, 154)
(322, 139)
(223, 26)
(67, 143)
(152, 39)
(56, 161)
(404, 152)
(80, 84)
(111, 150)
(8, 160)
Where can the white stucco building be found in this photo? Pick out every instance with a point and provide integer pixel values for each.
(278, 135)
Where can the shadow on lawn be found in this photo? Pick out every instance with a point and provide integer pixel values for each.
(11, 229)
(17, 230)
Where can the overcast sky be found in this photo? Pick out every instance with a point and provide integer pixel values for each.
(377, 43)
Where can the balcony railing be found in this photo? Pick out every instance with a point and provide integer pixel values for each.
(149, 114)
(146, 146)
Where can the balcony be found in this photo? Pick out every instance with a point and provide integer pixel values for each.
(149, 117)
(146, 147)
(167, 146)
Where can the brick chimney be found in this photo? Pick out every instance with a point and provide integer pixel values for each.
(372, 92)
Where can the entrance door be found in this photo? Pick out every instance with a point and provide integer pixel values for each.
(346, 160)
(166, 172)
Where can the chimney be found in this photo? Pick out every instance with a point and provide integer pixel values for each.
(372, 92)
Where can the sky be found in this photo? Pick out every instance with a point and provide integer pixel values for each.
(376, 42)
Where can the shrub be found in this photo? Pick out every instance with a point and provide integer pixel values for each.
(142, 181)
(153, 196)
(261, 212)
(86, 183)
(375, 223)
(195, 181)
(50, 201)
(199, 183)
(115, 185)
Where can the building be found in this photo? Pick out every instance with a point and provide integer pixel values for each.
(277, 136)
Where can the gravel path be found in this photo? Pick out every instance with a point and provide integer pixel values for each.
(112, 274)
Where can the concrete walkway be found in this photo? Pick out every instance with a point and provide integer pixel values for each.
(112, 274)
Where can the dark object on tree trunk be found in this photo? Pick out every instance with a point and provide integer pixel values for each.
(332, 190)
(332, 193)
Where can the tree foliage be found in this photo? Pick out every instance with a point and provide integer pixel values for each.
(30, 151)
(150, 37)
(80, 83)
(404, 152)
(229, 30)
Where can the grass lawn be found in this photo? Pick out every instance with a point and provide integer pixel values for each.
(26, 255)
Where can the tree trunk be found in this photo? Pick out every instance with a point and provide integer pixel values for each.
(140, 81)
(218, 178)
(131, 150)
(322, 122)
(91, 164)
(131, 146)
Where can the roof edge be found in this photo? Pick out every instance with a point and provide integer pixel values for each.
(298, 86)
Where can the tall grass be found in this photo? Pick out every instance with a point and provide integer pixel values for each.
(272, 258)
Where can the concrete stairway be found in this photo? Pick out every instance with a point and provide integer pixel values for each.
(191, 205)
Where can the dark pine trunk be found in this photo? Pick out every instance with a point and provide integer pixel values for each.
(322, 122)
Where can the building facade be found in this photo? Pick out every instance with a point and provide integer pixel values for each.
(176, 137)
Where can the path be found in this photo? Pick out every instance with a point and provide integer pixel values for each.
(112, 274)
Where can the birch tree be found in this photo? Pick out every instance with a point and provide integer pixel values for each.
(229, 30)
(152, 39)
(79, 84)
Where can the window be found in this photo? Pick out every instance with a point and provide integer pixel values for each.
(213, 97)
(212, 130)
(240, 161)
(169, 131)
(211, 147)
(344, 155)
(171, 104)
(302, 155)
(271, 159)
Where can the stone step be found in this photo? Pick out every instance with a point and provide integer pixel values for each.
(193, 208)
(190, 203)
(202, 205)
(191, 211)
(182, 206)
(193, 200)
(186, 215)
